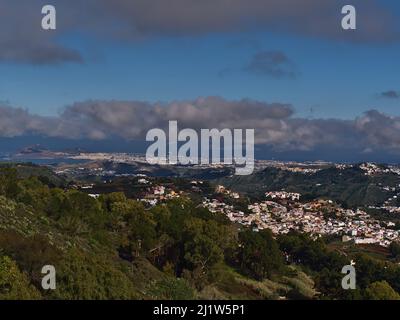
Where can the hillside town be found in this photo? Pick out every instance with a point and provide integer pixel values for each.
(282, 211)
(279, 211)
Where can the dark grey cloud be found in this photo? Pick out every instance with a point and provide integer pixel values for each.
(23, 40)
(272, 63)
(131, 120)
(38, 54)
(307, 17)
(276, 125)
(380, 129)
(391, 94)
(17, 122)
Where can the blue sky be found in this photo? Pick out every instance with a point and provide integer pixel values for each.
(336, 78)
(290, 53)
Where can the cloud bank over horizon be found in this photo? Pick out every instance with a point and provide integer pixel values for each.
(276, 125)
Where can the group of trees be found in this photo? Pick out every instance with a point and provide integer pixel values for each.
(394, 249)
(180, 238)
(259, 254)
(95, 243)
(375, 279)
(13, 283)
(189, 241)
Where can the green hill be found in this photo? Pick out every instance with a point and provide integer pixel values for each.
(350, 187)
(113, 247)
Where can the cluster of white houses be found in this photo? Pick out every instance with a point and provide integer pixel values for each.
(283, 212)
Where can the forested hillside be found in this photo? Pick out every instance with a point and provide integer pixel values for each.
(115, 248)
(350, 187)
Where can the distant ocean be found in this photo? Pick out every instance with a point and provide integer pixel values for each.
(43, 161)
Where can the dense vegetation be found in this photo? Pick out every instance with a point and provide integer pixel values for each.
(114, 248)
(349, 187)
